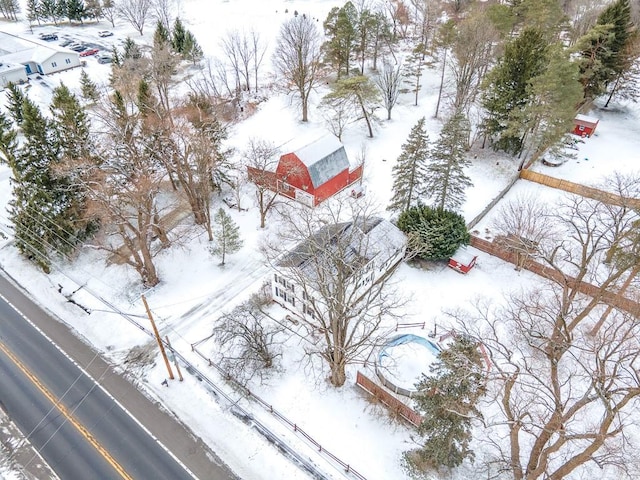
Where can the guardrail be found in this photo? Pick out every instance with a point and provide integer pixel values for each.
(284, 420)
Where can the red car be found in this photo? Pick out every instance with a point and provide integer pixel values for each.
(87, 53)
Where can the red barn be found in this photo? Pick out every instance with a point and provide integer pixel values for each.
(463, 260)
(584, 126)
(310, 174)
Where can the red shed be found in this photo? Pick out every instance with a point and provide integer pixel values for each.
(584, 126)
(463, 260)
(312, 173)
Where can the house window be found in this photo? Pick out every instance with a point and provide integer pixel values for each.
(308, 310)
(54, 64)
(67, 60)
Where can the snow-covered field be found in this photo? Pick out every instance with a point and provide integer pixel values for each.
(195, 290)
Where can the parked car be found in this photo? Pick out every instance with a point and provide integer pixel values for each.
(77, 47)
(104, 58)
(105, 33)
(87, 53)
(66, 42)
(49, 37)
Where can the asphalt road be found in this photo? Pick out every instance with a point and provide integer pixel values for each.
(79, 429)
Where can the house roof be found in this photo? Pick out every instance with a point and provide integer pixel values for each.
(463, 256)
(586, 119)
(11, 67)
(324, 158)
(356, 242)
(22, 50)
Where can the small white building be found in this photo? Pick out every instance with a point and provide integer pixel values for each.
(36, 56)
(12, 73)
(366, 250)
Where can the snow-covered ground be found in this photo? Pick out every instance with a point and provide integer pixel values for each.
(195, 290)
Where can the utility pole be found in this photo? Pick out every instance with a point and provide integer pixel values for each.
(175, 360)
(158, 339)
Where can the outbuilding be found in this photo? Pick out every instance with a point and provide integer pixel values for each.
(584, 126)
(462, 260)
(12, 73)
(311, 173)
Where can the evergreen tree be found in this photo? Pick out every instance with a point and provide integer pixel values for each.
(8, 140)
(340, 30)
(88, 88)
(447, 400)
(434, 234)
(192, 50)
(409, 174)
(413, 69)
(34, 208)
(161, 35)
(226, 236)
(446, 180)
(361, 93)
(604, 48)
(506, 88)
(15, 99)
(75, 10)
(178, 36)
(71, 126)
(33, 11)
(131, 50)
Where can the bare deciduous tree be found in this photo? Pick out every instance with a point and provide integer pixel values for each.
(521, 225)
(123, 193)
(564, 387)
(109, 11)
(136, 12)
(248, 340)
(162, 11)
(388, 82)
(473, 50)
(335, 278)
(261, 158)
(258, 50)
(338, 113)
(297, 57)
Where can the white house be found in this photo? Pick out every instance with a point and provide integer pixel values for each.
(36, 56)
(366, 249)
(12, 73)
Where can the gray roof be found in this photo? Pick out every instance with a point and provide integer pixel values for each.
(357, 242)
(324, 158)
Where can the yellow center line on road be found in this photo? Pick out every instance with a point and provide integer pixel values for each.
(65, 412)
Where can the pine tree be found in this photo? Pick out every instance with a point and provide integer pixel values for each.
(604, 48)
(88, 88)
(506, 88)
(409, 173)
(226, 236)
(446, 180)
(413, 69)
(447, 400)
(8, 141)
(131, 50)
(75, 10)
(15, 99)
(192, 50)
(71, 125)
(161, 36)
(33, 11)
(340, 28)
(361, 93)
(178, 36)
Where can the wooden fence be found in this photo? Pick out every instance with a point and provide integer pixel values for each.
(610, 298)
(389, 400)
(589, 192)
